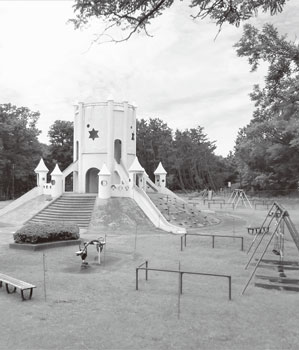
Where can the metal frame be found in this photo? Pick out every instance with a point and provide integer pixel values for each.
(235, 197)
(181, 273)
(184, 238)
(282, 216)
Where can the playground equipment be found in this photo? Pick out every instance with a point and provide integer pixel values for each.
(279, 218)
(238, 196)
(82, 252)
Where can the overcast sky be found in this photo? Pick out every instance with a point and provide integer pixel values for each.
(181, 74)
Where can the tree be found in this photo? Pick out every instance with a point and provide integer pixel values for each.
(268, 148)
(61, 144)
(19, 149)
(187, 156)
(154, 144)
(136, 15)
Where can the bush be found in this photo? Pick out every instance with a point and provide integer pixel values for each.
(46, 232)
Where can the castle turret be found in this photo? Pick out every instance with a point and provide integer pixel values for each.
(136, 174)
(41, 175)
(56, 182)
(160, 176)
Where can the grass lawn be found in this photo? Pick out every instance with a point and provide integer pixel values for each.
(99, 308)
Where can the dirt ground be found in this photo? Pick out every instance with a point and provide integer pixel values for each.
(100, 308)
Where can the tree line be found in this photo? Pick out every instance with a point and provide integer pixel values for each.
(188, 156)
(266, 153)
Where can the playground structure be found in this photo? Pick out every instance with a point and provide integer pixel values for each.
(82, 252)
(276, 220)
(239, 196)
(104, 163)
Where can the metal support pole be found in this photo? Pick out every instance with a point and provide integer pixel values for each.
(229, 287)
(274, 232)
(242, 244)
(182, 238)
(213, 241)
(256, 235)
(185, 239)
(181, 282)
(137, 279)
(256, 266)
(146, 271)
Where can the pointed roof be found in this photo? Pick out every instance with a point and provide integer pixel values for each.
(41, 166)
(56, 171)
(136, 167)
(160, 170)
(104, 170)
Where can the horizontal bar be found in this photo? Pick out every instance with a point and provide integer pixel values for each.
(187, 272)
(213, 238)
(210, 235)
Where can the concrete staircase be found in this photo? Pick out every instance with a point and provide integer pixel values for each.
(75, 208)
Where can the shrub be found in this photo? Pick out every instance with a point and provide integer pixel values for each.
(46, 232)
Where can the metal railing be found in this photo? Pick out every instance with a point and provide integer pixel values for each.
(213, 236)
(181, 273)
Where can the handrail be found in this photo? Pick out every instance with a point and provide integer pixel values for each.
(184, 238)
(146, 269)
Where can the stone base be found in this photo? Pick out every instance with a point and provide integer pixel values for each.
(40, 246)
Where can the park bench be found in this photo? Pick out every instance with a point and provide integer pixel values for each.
(15, 283)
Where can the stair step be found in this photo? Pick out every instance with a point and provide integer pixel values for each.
(70, 208)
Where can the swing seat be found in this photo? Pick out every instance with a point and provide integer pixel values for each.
(276, 252)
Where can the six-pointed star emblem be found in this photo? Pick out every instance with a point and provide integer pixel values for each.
(93, 134)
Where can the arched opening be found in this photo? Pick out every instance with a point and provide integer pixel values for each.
(117, 150)
(92, 180)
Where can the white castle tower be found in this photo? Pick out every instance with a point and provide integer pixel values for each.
(104, 133)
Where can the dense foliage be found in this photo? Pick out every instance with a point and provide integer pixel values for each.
(46, 232)
(136, 15)
(267, 150)
(187, 156)
(20, 149)
(61, 144)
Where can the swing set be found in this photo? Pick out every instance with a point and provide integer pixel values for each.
(238, 196)
(279, 218)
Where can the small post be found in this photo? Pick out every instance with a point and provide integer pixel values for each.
(137, 279)
(105, 248)
(182, 237)
(242, 244)
(185, 239)
(229, 287)
(44, 268)
(179, 290)
(213, 241)
(99, 254)
(146, 272)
